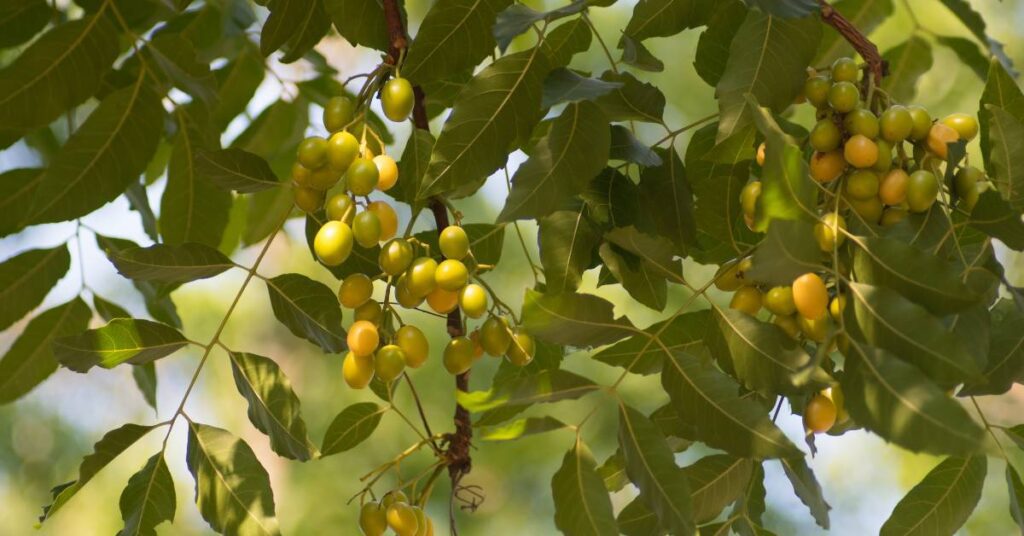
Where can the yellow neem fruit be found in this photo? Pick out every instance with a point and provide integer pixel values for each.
(443, 301)
(412, 341)
(747, 300)
(810, 296)
(333, 243)
(387, 216)
(357, 370)
(373, 519)
(355, 290)
(473, 300)
(521, 350)
(363, 338)
(820, 414)
(451, 275)
(829, 232)
(402, 519)
(387, 171)
(779, 300)
(939, 138)
(459, 355)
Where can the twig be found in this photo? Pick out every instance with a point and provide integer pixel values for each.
(860, 42)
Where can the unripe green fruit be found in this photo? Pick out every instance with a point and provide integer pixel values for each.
(392, 498)
(397, 99)
(312, 152)
(342, 150)
(412, 341)
(495, 336)
(521, 350)
(884, 162)
(454, 242)
(825, 136)
(333, 243)
(845, 70)
(779, 300)
(362, 176)
(966, 186)
(862, 184)
(395, 256)
(341, 207)
(308, 199)
(922, 191)
(922, 122)
(828, 233)
(816, 90)
(459, 355)
(405, 296)
(421, 276)
(402, 519)
(338, 112)
(373, 519)
(861, 121)
(896, 124)
(324, 178)
(366, 229)
(747, 300)
(870, 210)
(389, 363)
(843, 97)
(355, 290)
(369, 312)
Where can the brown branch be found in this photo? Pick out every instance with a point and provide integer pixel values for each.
(868, 50)
(456, 452)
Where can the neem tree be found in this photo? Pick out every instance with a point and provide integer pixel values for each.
(861, 251)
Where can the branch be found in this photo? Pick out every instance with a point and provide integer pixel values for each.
(456, 453)
(868, 50)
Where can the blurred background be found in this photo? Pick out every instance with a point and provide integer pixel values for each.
(44, 435)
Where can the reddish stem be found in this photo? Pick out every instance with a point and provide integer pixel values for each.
(860, 42)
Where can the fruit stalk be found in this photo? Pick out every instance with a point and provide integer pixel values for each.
(456, 454)
(860, 42)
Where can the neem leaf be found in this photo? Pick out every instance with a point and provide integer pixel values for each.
(942, 501)
(30, 359)
(582, 506)
(27, 278)
(122, 340)
(171, 264)
(273, 406)
(308, 309)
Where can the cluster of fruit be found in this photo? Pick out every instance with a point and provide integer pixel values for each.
(394, 512)
(860, 159)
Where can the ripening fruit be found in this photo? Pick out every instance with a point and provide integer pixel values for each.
(443, 301)
(473, 300)
(362, 176)
(896, 124)
(308, 199)
(366, 229)
(387, 169)
(727, 277)
(843, 97)
(810, 296)
(922, 190)
(837, 306)
(389, 363)
(788, 324)
(860, 152)
(892, 215)
(421, 521)
(828, 232)
(922, 122)
(338, 112)
(747, 300)
(451, 275)
(495, 336)
(820, 414)
(478, 350)
(402, 519)
(884, 163)
(521, 349)
(779, 300)
(333, 243)
(454, 242)
(420, 276)
(816, 90)
(966, 186)
(342, 150)
(363, 338)
(748, 197)
(324, 178)
(861, 121)
(387, 216)
(312, 152)
(939, 137)
(965, 125)
(393, 497)
(827, 167)
(357, 370)
(869, 210)
(761, 153)
(395, 256)
(405, 297)
(845, 70)
(369, 312)
(861, 184)
(458, 355)
(893, 188)
(412, 341)
(373, 519)
(355, 290)
(340, 207)
(825, 136)
(397, 99)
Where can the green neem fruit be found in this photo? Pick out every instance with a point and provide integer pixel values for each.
(412, 341)
(521, 350)
(421, 276)
(779, 300)
(825, 136)
(340, 207)
(308, 199)
(397, 99)
(362, 176)
(495, 336)
(843, 97)
(355, 290)
(845, 70)
(338, 112)
(342, 150)
(922, 191)
(312, 152)
(862, 184)
(324, 178)
(459, 355)
(373, 519)
(454, 242)
(366, 229)
(896, 124)
(816, 90)
(884, 162)
(404, 296)
(966, 185)
(922, 122)
(395, 256)
(861, 121)
(389, 363)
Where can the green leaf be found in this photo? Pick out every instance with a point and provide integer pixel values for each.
(288, 20)
(785, 8)
(454, 35)
(762, 356)
(232, 488)
(567, 241)
(891, 322)
(788, 251)
(1016, 493)
(942, 501)
(171, 264)
(30, 359)
(767, 59)
(664, 18)
(865, 15)
(110, 446)
(907, 62)
(57, 72)
(708, 399)
(716, 481)
(102, 157)
(582, 506)
(635, 54)
(721, 231)
(237, 84)
(149, 499)
(713, 46)
(22, 19)
(17, 187)
(566, 85)
(193, 208)
(925, 279)
(580, 320)
(360, 22)
(751, 506)
(27, 278)
(1001, 90)
(145, 379)
(1005, 363)
(122, 340)
(655, 251)
(976, 24)
(542, 388)
(499, 106)
(235, 169)
(626, 147)
(807, 489)
(177, 66)
(632, 101)
(413, 166)
(651, 465)
(273, 406)
(613, 199)
(896, 401)
(567, 40)
(520, 428)
(561, 164)
(666, 193)
(787, 191)
(518, 18)
(138, 200)
(351, 427)
(158, 303)
(485, 241)
(1006, 135)
(641, 355)
(308, 309)
(644, 283)
(968, 52)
